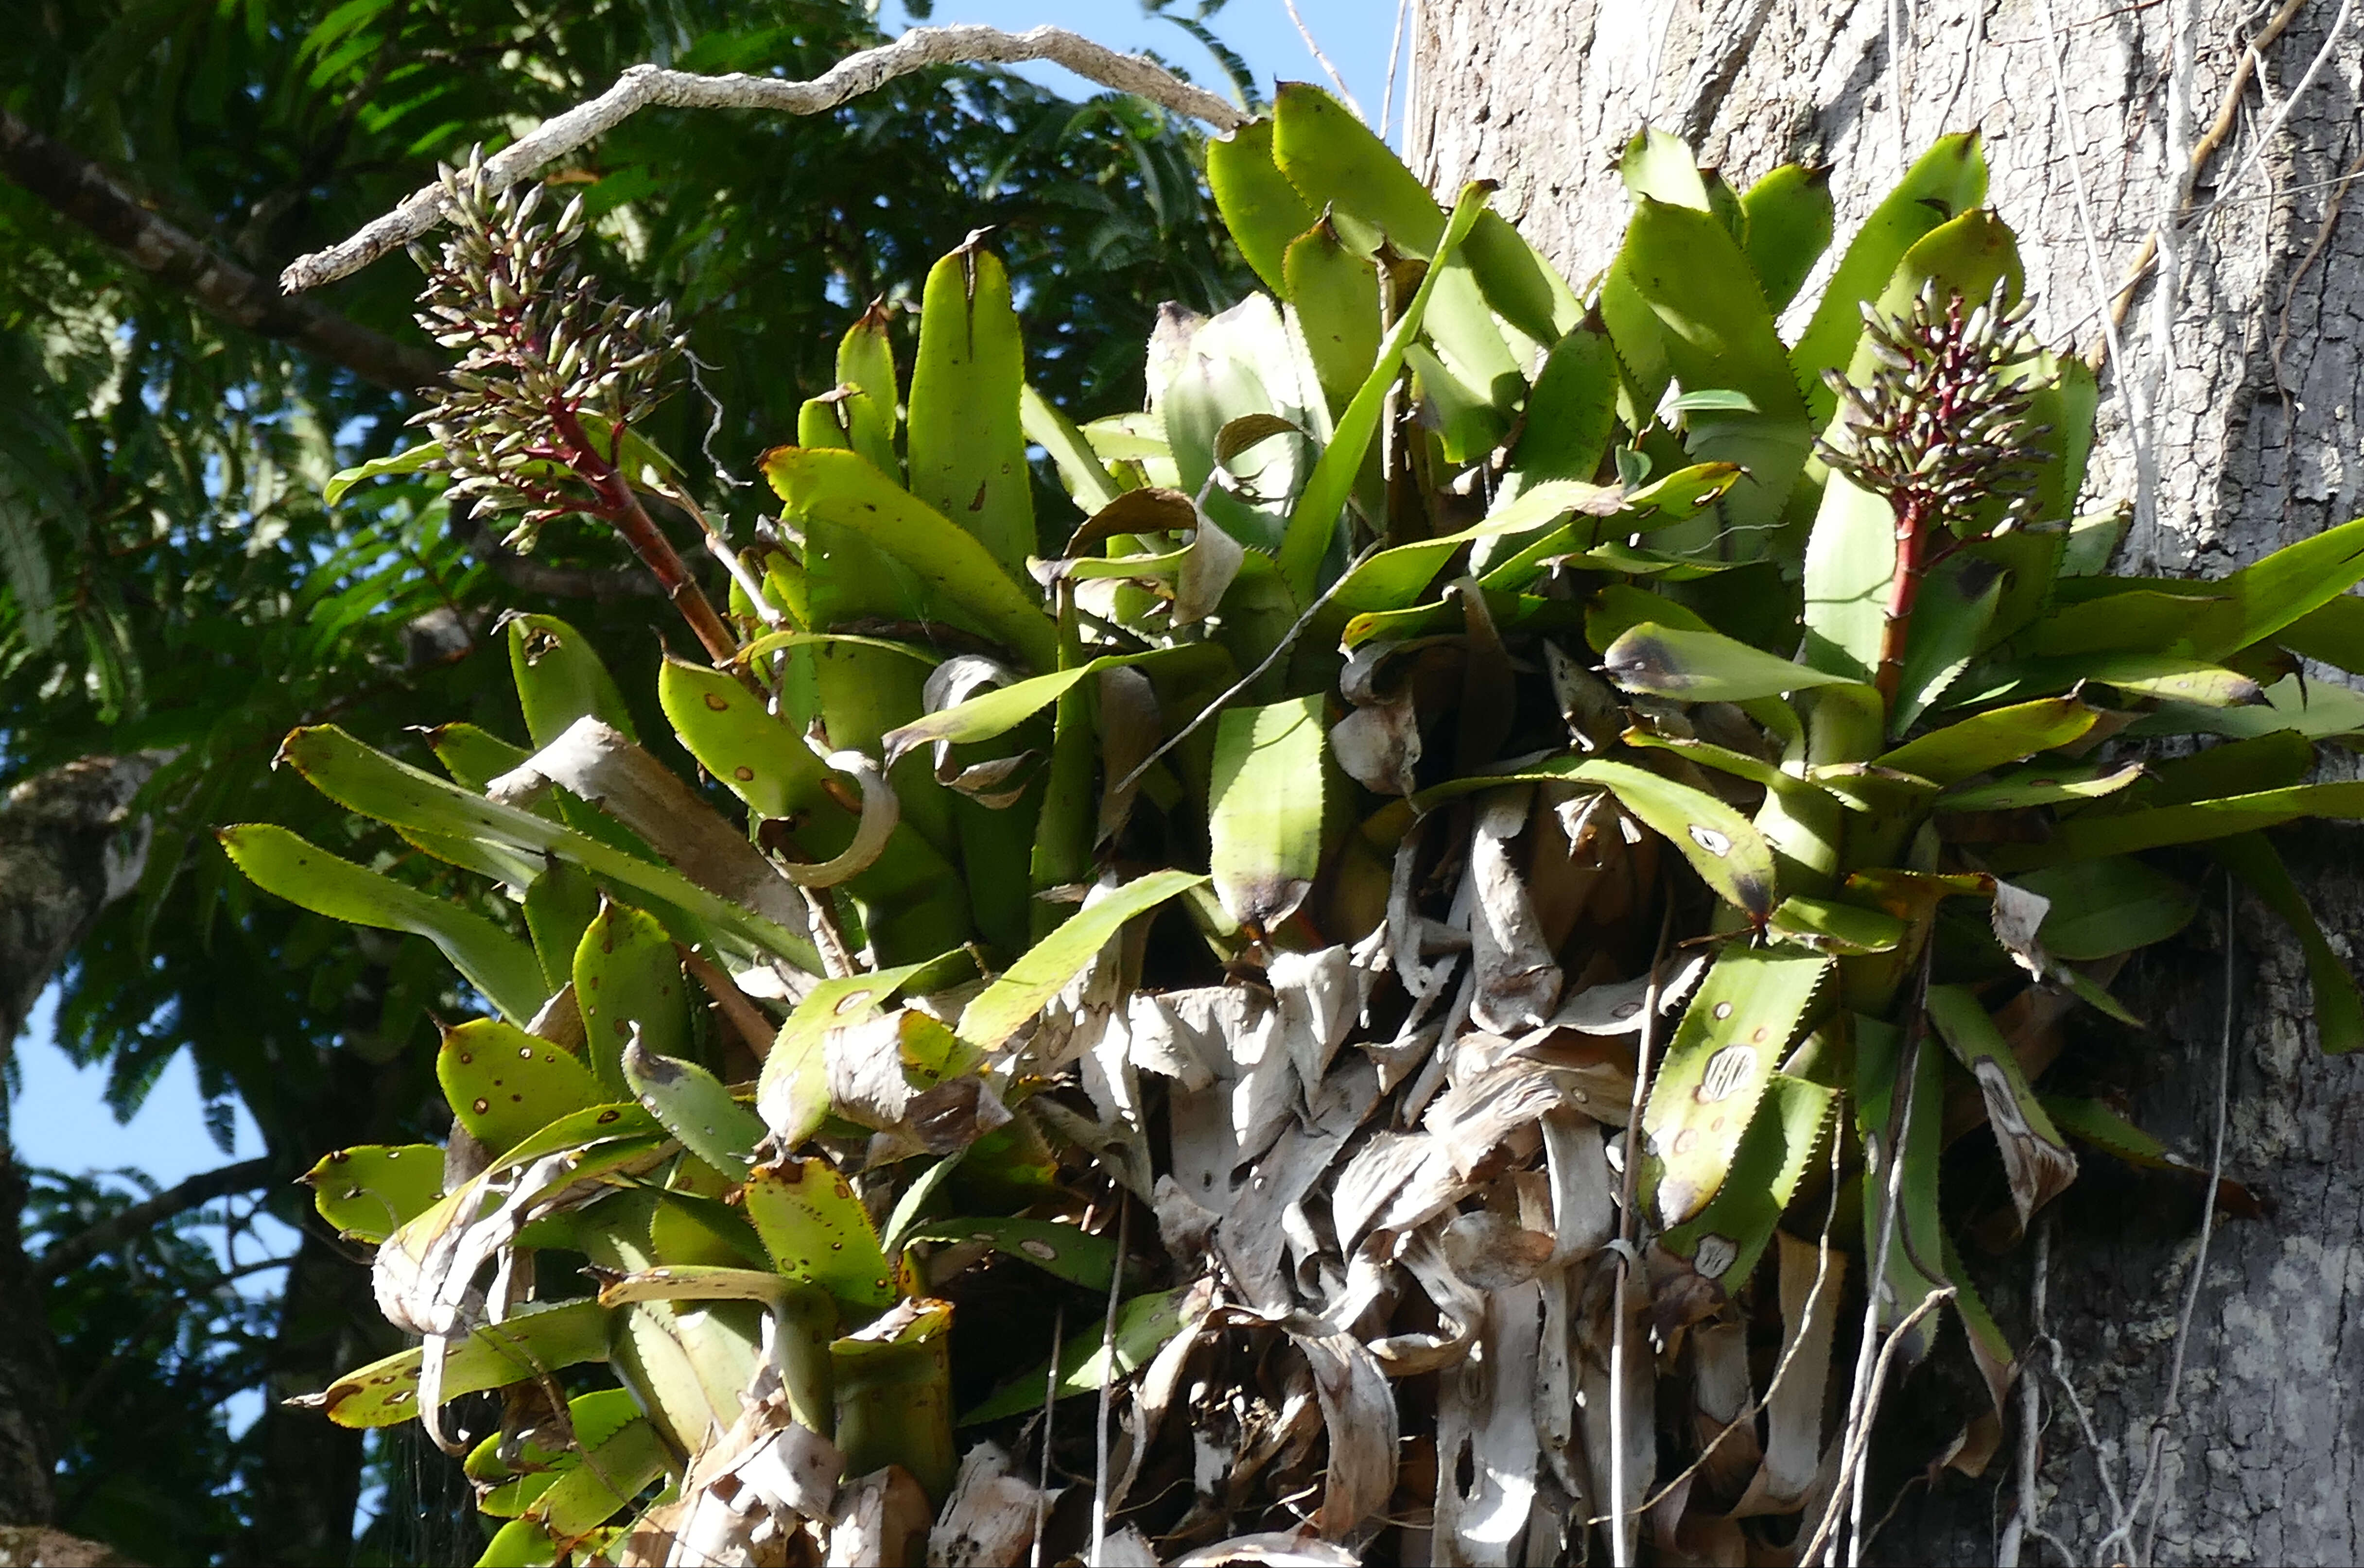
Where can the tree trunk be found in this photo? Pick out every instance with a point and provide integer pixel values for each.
(2230, 415)
(64, 856)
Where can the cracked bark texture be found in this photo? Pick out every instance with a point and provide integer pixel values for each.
(2253, 383)
(65, 853)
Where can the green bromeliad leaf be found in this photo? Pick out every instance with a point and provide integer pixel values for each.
(1701, 666)
(965, 582)
(1026, 986)
(1751, 1005)
(965, 446)
(1264, 808)
(371, 1190)
(488, 957)
(505, 1084)
(818, 1231)
(692, 1106)
(627, 977)
(1725, 1238)
(532, 1342)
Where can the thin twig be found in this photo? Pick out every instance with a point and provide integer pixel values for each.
(1851, 1455)
(1108, 1383)
(1049, 1403)
(1288, 640)
(2173, 1404)
(2025, 1517)
(1395, 57)
(1328, 70)
(647, 86)
(1620, 1551)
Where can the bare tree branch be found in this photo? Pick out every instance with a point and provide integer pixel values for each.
(82, 192)
(644, 86)
(198, 1191)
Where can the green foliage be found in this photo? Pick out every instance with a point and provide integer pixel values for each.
(1354, 694)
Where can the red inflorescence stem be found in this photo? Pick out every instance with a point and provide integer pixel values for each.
(622, 510)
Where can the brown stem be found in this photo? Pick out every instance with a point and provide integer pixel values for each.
(622, 509)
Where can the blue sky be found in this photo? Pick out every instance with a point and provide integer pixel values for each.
(60, 1118)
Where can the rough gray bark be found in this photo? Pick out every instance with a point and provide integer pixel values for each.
(65, 854)
(2232, 411)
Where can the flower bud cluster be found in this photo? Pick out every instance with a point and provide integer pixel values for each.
(1944, 424)
(539, 351)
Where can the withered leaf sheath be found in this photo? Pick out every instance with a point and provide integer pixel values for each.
(1943, 424)
(539, 351)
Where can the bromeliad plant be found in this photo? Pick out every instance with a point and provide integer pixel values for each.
(1388, 943)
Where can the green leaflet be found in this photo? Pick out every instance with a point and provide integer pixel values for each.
(1221, 388)
(488, 957)
(1063, 1251)
(473, 757)
(560, 905)
(1334, 161)
(895, 1396)
(865, 359)
(2332, 632)
(2300, 708)
(402, 796)
(1335, 294)
(534, 1340)
(749, 751)
(1744, 1016)
(2035, 1157)
(2338, 1007)
(1658, 167)
(1524, 289)
(411, 459)
(1314, 519)
(1143, 1324)
(1845, 930)
(1725, 1238)
(2292, 582)
(1021, 991)
(371, 1190)
(1264, 809)
(818, 1231)
(596, 1127)
(613, 1471)
(627, 974)
(2040, 786)
(992, 714)
(1571, 415)
(793, 1090)
(1262, 209)
(1716, 332)
(967, 585)
(963, 440)
(505, 1084)
(693, 1106)
(2110, 905)
(1990, 739)
(1087, 480)
(1722, 846)
(804, 1318)
(595, 1417)
(1790, 215)
(847, 419)
(560, 678)
(1948, 180)
(1701, 666)
(2086, 836)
